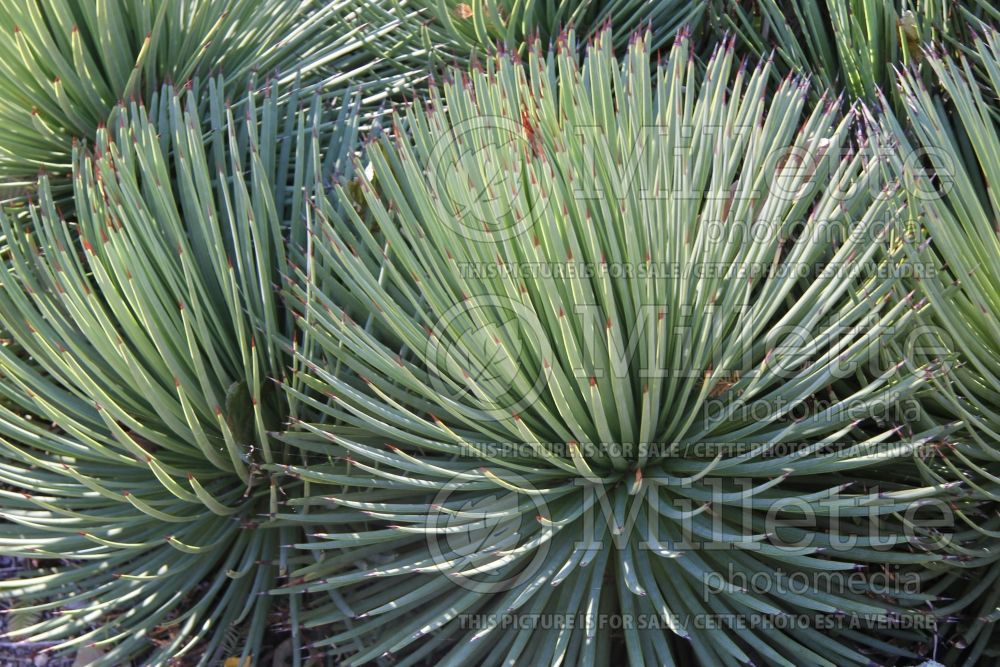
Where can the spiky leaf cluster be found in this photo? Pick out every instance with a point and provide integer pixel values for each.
(949, 166)
(853, 45)
(459, 31)
(152, 342)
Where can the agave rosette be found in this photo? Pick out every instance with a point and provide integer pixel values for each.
(558, 359)
(138, 402)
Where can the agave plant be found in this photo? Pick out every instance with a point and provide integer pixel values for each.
(853, 44)
(951, 173)
(133, 426)
(558, 358)
(65, 65)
